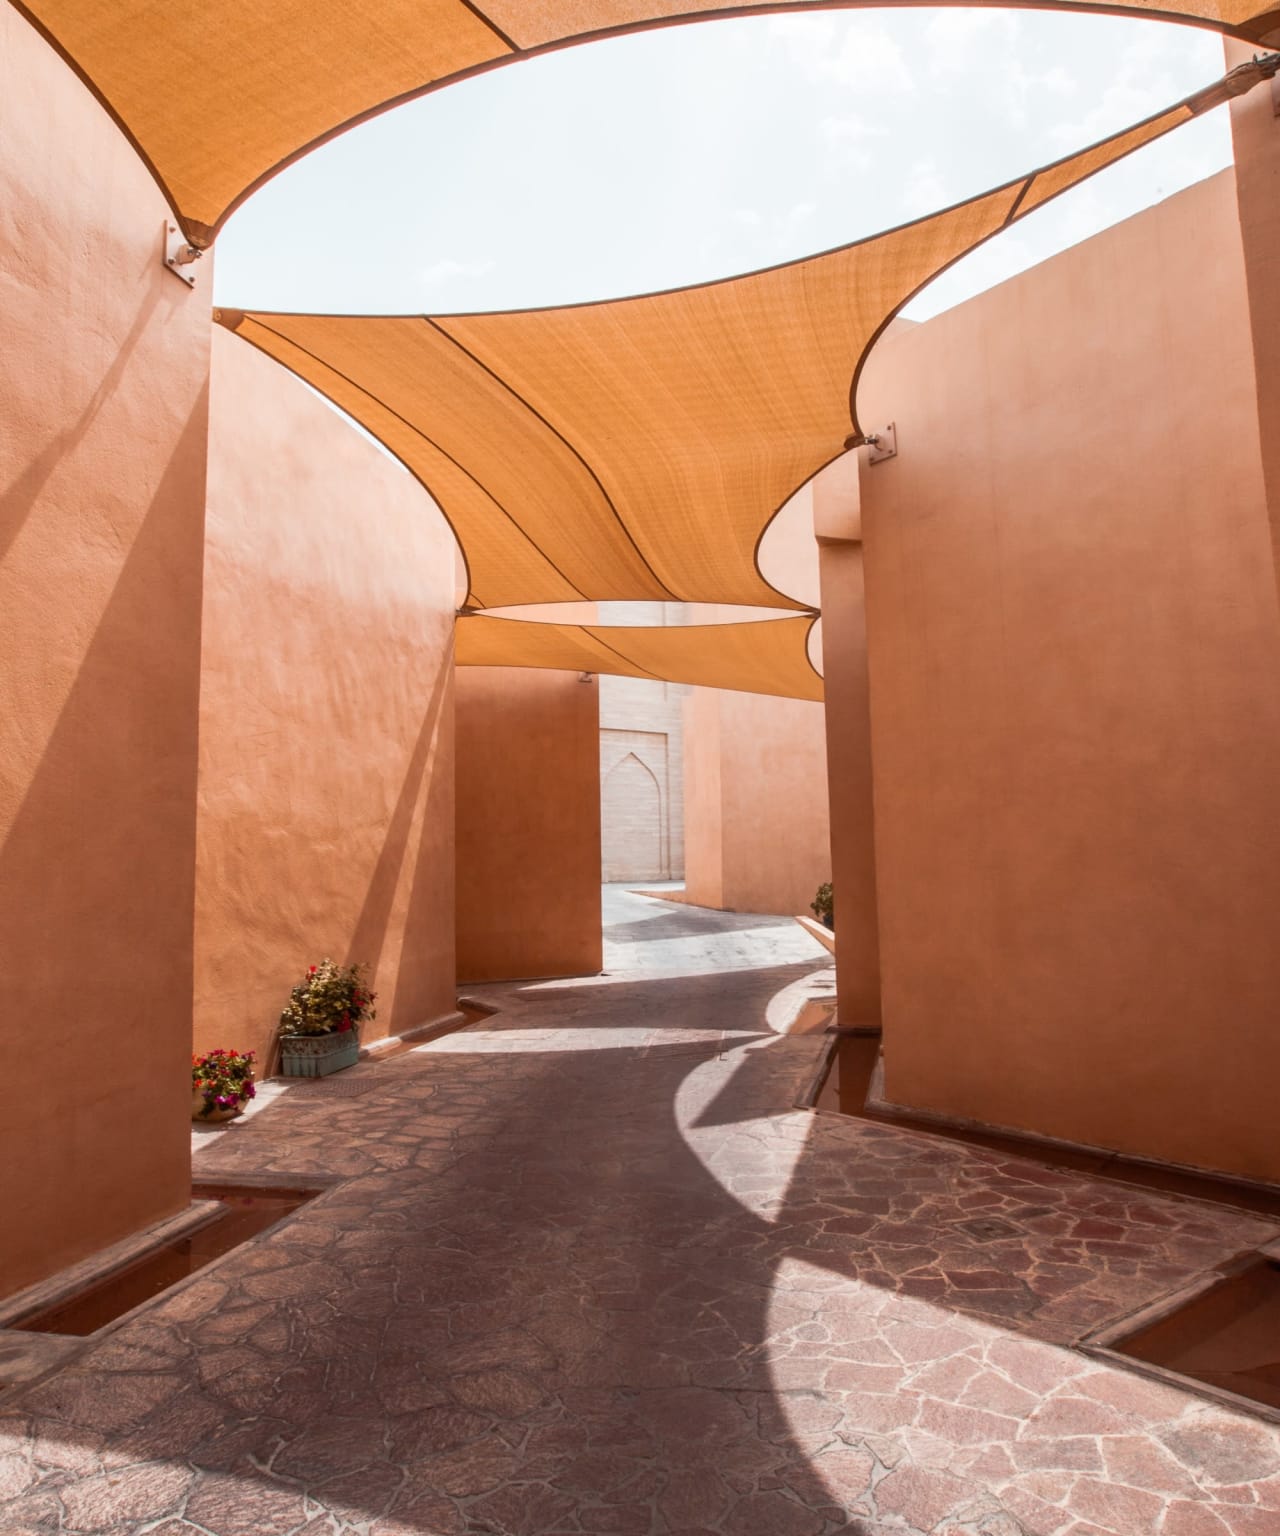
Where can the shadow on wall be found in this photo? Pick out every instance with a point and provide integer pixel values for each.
(369, 936)
(345, 853)
(19, 499)
(98, 880)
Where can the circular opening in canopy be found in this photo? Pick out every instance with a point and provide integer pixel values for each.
(636, 615)
(693, 152)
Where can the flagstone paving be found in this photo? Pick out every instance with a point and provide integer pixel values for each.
(588, 1270)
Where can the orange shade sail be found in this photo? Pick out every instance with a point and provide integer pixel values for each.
(636, 449)
(764, 656)
(219, 95)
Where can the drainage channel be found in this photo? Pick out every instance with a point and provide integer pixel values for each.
(1224, 1335)
(847, 1081)
(248, 1211)
(1221, 1334)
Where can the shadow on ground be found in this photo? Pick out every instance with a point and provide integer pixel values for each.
(590, 1272)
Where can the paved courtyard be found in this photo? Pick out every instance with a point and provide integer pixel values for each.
(588, 1270)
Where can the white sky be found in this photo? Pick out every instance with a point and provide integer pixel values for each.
(694, 152)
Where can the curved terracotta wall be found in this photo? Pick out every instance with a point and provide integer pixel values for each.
(102, 462)
(326, 718)
(757, 828)
(528, 824)
(847, 714)
(1074, 649)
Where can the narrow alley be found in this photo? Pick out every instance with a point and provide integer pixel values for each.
(585, 1268)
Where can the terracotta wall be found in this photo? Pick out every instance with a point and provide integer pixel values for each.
(1074, 654)
(102, 459)
(787, 553)
(1255, 133)
(703, 800)
(847, 717)
(326, 725)
(756, 828)
(755, 776)
(528, 824)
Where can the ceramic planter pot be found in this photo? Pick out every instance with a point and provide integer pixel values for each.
(215, 1115)
(318, 1055)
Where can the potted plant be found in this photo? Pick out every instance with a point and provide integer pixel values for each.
(824, 907)
(221, 1084)
(320, 1025)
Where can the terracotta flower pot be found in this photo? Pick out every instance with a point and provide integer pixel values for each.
(213, 1115)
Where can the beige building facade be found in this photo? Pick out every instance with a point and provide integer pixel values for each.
(641, 764)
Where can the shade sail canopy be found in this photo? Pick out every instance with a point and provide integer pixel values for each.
(637, 449)
(217, 96)
(760, 657)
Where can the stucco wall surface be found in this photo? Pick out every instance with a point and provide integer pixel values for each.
(528, 824)
(787, 553)
(1255, 133)
(1074, 646)
(103, 417)
(757, 835)
(703, 799)
(326, 723)
(847, 717)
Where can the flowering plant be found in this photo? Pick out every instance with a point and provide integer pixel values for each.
(823, 905)
(223, 1079)
(329, 999)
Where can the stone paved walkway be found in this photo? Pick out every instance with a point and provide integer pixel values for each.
(588, 1271)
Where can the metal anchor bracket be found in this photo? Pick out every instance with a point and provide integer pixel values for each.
(180, 255)
(883, 444)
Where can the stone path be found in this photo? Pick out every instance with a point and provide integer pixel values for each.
(588, 1271)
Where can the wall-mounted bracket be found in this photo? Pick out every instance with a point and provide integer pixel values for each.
(883, 444)
(179, 255)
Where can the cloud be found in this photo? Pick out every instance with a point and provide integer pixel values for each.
(857, 52)
(446, 269)
(849, 140)
(924, 190)
(955, 38)
(1147, 74)
(847, 129)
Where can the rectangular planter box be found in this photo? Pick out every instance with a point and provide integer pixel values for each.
(318, 1055)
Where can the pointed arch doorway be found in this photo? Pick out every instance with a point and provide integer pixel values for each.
(633, 837)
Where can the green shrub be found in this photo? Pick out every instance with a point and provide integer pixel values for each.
(328, 1000)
